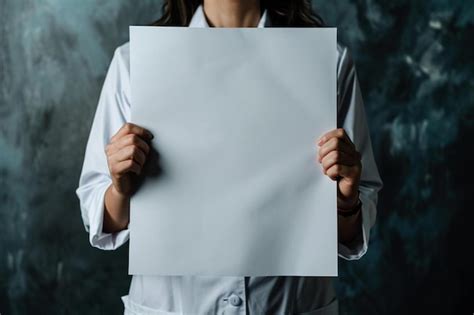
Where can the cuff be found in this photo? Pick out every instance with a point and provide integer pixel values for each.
(97, 238)
(359, 246)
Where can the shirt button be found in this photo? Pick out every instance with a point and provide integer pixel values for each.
(235, 300)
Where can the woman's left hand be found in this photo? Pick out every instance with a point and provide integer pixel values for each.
(342, 162)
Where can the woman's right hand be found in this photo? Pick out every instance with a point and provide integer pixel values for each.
(126, 155)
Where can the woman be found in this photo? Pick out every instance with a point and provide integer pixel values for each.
(344, 155)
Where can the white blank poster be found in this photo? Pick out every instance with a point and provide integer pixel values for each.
(235, 114)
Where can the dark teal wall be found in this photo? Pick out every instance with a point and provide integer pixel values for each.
(53, 59)
(415, 64)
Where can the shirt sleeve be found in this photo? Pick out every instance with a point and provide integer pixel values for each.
(113, 110)
(352, 117)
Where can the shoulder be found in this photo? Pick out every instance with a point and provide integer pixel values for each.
(120, 64)
(121, 59)
(117, 80)
(345, 63)
(123, 51)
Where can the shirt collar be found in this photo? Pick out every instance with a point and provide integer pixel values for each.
(199, 19)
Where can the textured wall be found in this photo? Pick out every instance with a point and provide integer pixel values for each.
(53, 59)
(415, 64)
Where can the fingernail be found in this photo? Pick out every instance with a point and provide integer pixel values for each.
(320, 141)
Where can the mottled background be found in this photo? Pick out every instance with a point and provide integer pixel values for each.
(415, 64)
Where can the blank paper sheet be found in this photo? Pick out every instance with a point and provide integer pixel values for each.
(237, 189)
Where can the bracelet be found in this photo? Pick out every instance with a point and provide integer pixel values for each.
(348, 213)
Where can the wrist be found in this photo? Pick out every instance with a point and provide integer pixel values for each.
(348, 203)
(351, 212)
(350, 208)
(117, 194)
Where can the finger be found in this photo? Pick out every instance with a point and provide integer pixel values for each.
(127, 140)
(336, 144)
(335, 133)
(337, 157)
(124, 167)
(134, 140)
(111, 149)
(130, 152)
(337, 170)
(130, 128)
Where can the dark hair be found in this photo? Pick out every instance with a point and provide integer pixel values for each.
(282, 13)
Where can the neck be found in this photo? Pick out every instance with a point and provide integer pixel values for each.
(232, 13)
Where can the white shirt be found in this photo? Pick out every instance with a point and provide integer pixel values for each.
(219, 295)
